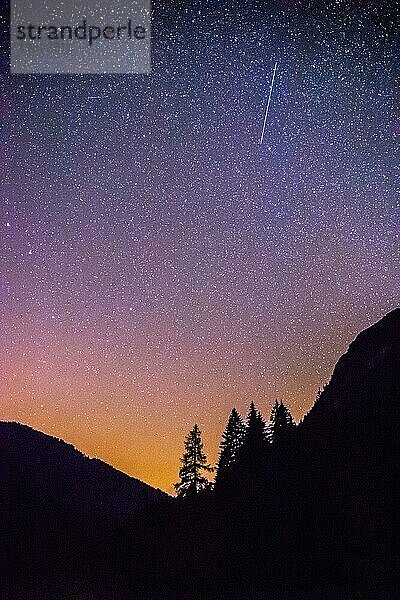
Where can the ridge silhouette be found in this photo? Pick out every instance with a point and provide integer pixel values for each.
(313, 516)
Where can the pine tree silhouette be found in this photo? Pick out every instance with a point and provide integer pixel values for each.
(194, 462)
(232, 439)
(251, 456)
(256, 428)
(281, 424)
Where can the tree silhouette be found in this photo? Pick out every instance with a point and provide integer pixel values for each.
(251, 456)
(194, 462)
(281, 424)
(256, 428)
(232, 439)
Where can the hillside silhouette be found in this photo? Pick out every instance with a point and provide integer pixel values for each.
(312, 513)
(62, 508)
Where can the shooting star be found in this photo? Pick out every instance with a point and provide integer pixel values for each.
(268, 103)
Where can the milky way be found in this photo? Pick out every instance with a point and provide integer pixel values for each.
(159, 265)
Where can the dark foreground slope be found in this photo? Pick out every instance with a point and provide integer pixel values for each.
(63, 511)
(365, 386)
(348, 458)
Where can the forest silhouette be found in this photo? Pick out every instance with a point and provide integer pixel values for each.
(294, 511)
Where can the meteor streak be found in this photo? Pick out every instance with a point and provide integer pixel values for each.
(268, 103)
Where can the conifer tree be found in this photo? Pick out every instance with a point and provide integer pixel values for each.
(194, 463)
(256, 428)
(281, 424)
(232, 439)
(251, 456)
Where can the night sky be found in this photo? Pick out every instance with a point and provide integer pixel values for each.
(158, 265)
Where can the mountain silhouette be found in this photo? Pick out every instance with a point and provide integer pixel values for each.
(53, 468)
(354, 425)
(347, 457)
(63, 510)
(323, 519)
(365, 381)
(315, 516)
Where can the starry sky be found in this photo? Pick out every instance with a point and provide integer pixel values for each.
(158, 264)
